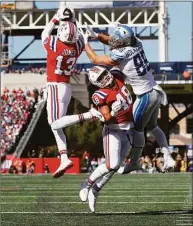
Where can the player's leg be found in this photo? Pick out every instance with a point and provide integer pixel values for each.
(161, 139)
(57, 103)
(139, 108)
(112, 147)
(125, 148)
(142, 111)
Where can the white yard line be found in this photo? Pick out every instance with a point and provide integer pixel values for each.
(83, 212)
(75, 188)
(108, 202)
(186, 219)
(105, 191)
(104, 196)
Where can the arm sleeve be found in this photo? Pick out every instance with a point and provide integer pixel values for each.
(116, 55)
(49, 28)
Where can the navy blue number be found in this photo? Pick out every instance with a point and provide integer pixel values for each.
(141, 63)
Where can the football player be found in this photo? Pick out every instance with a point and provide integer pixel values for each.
(117, 122)
(127, 53)
(62, 53)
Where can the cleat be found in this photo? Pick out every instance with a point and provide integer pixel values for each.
(169, 163)
(92, 200)
(129, 167)
(83, 194)
(64, 165)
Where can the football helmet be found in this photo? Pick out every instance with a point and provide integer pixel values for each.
(67, 32)
(121, 36)
(100, 77)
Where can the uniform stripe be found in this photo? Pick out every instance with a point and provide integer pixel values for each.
(69, 27)
(57, 102)
(137, 108)
(53, 40)
(54, 103)
(51, 103)
(138, 115)
(107, 147)
(55, 44)
(100, 94)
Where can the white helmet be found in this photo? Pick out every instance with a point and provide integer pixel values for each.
(67, 32)
(100, 76)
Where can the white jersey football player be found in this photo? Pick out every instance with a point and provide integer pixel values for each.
(117, 123)
(127, 53)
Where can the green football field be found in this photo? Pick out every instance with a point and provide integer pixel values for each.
(134, 199)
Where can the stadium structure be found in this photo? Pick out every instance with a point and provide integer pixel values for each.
(149, 19)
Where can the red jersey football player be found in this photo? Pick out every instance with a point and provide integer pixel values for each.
(117, 122)
(62, 53)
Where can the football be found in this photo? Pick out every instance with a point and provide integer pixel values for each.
(67, 14)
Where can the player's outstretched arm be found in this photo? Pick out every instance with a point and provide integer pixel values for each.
(101, 37)
(69, 120)
(94, 58)
(50, 26)
(62, 14)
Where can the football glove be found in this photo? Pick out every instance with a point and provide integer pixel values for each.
(91, 32)
(96, 114)
(116, 106)
(85, 35)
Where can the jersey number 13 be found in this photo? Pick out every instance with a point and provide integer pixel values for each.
(70, 63)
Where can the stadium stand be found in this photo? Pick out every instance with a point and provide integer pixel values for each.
(17, 109)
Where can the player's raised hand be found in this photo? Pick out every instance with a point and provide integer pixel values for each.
(96, 114)
(90, 31)
(65, 14)
(85, 35)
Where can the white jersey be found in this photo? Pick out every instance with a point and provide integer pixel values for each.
(135, 67)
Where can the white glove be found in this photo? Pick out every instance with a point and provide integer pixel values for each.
(116, 106)
(96, 114)
(84, 35)
(91, 32)
(114, 25)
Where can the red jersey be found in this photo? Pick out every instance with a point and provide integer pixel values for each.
(61, 58)
(107, 96)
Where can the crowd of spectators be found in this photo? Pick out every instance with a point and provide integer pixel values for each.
(33, 70)
(17, 108)
(149, 164)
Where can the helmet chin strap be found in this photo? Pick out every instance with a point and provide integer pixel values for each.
(113, 83)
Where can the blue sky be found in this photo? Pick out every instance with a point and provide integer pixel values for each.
(179, 36)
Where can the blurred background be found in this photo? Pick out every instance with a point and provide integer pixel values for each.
(27, 142)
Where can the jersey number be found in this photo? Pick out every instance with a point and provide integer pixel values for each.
(70, 62)
(127, 94)
(141, 63)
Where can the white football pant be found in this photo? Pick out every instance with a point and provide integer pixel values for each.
(58, 99)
